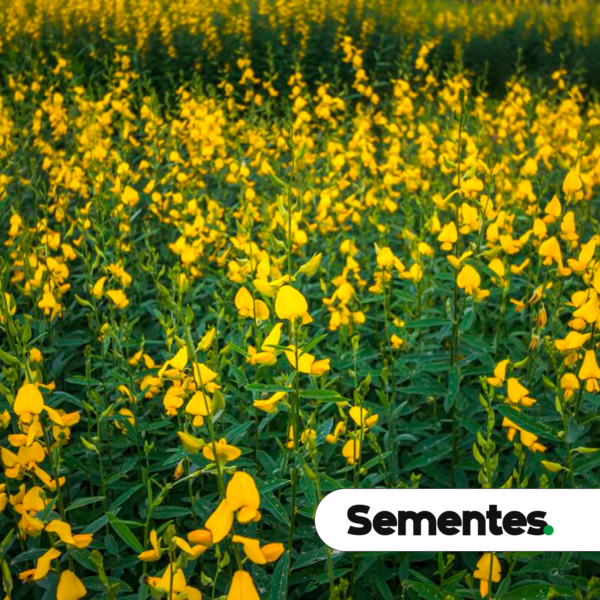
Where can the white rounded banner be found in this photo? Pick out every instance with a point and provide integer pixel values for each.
(457, 520)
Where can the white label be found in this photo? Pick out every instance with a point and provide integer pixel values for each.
(457, 520)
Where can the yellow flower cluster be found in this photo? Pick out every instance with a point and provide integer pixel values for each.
(211, 315)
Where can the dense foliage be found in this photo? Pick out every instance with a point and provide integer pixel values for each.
(284, 270)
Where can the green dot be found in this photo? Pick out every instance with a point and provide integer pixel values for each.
(548, 530)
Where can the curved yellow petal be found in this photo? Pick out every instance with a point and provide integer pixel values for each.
(220, 522)
(70, 587)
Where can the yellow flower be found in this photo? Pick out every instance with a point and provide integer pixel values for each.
(225, 452)
(98, 288)
(590, 372)
(242, 587)
(518, 269)
(200, 536)
(529, 440)
(351, 451)
(590, 311)
(246, 306)
(27, 459)
(340, 429)
(63, 530)
(128, 417)
(306, 362)
(204, 377)
(220, 522)
(468, 279)
(178, 364)
(242, 496)
(35, 356)
(269, 405)
(199, 406)
(550, 251)
(173, 580)
(387, 259)
(10, 304)
(192, 444)
(458, 262)
(207, 339)
(320, 366)
(42, 566)
(290, 303)
(448, 236)
(260, 358)
(586, 255)
(70, 587)
(272, 339)
(497, 266)
(553, 210)
(573, 341)
(311, 267)
(258, 555)
(29, 402)
(488, 570)
(130, 196)
(517, 393)
(499, 373)
(28, 405)
(518, 304)
(193, 551)
(361, 417)
(572, 184)
(49, 304)
(118, 298)
(268, 356)
(155, 553)
(173, 400)
(569, 383)
(397, 342)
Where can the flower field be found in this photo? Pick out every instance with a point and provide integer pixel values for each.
(255, 252)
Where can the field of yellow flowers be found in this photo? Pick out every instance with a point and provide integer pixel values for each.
(251, 253)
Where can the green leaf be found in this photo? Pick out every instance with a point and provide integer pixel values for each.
(238, 349)
(280, 578)
(423, 323)
(313, 343)
(531, 424)
(96, 525)
(83, 557)
(384, 590)
(428, 458)
(537, 590)
(168, 512)
(453, 387)
(125, 496)
(320, 394)
(307, 487)
(467, 320)
(124, 533)
(84, 502)
(426, 591)
(271, 503)
(95, 584)
(8, 359)
(267, 389)
(323, 430)
(27, 555)
(336, 484)
(310, 558)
